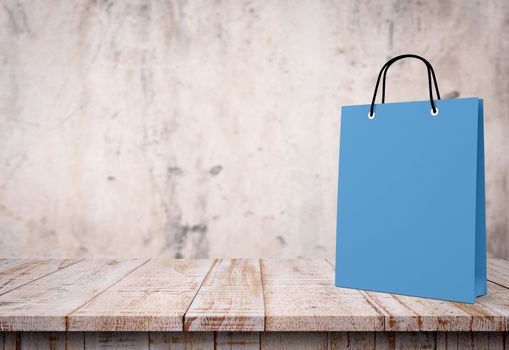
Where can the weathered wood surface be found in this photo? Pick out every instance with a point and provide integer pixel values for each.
(44, 340)
(18, 272)
(230, 299)
(404, 313)
(498, 272)
(225, 295)
(182, 340)
(254, 340)
(237, 341)
(44, 304)
(155, 297)
(300, 296)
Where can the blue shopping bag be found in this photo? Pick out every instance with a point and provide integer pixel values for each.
(411, 201)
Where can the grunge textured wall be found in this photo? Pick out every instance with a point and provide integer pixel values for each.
(211, 128)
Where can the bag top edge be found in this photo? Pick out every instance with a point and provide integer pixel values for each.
(403, 102)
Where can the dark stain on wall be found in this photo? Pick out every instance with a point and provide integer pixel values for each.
(183, 234)
(281, 240)
(174, 170)
(216, 170)
(18, 20)
(452, 94)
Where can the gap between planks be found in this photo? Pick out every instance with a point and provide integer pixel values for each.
(263, 296)
(377, 307)
(101, 292)
(44, 303)
(197, 291)
(57, 269)
(230, 298)
(406, 313)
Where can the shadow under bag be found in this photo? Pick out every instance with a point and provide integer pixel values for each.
(411, 204)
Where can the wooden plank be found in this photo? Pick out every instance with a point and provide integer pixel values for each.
(116, 340)
(498, 271)
(18, 272)
(45, 340)
(348, 340)
(230, 299)
(353, 340)
(43, 305)
(470, 340)
(300, 296)
(414, 340)
(182, 341)
(10, 340)
(405, 313)
(155, 297)
(237, 341)
(295, 341)
(383, 340)
(268, 340)
(497, 300)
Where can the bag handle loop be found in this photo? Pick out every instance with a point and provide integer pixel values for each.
(385, 68)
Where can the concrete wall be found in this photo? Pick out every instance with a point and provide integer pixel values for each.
(210, 128)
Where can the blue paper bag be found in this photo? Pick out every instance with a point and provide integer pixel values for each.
(411, 201)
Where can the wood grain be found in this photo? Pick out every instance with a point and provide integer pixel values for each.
(357, 340)
(470, 341)
(243, 340)
(47, 340)
(237, 341)
(300, 296)
(155, 297)
(18, 272)
(43, 305)
(10, 340)
(498, 271)
(383, 340)
(230, 299)
(404, 313)
(235, 295)
(182, 341)
(116, 340)
(414, 340)
(294, 341)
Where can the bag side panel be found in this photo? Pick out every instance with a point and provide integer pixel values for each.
(480, 232)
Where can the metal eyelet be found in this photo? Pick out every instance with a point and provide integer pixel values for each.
(371, 116)
(434, 113)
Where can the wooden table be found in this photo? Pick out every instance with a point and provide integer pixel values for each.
(230, 304)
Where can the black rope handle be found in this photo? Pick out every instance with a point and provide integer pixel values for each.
(431, 73)
(430, 68)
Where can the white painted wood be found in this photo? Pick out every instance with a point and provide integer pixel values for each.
(18, 272)
(230, 298)
(300, 296)
(404, 313)
(44, 304)
(154, 297)
(233, 295)
(498, 271)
